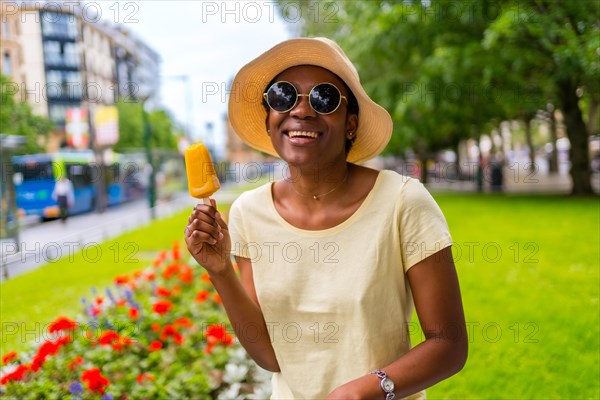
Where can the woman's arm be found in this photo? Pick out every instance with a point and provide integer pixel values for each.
(438, 303)
(207, 238)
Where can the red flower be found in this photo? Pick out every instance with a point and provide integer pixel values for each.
(108, 337)
(217, 298)
(8, 357)
(171, 331)
(99, 300)
(144, 376)
(96, 382)
(155, 345)
(202, 296)
(159, 260)
(134, 313)
(163, 292)
(75, 362)
(62, 324)
(186, 275)
(155, 327)
(16, 375)
(122, 342)
(95, 311)
(205, 278)
(121, 302)
(175, 251)
(137, 274)
(184, 321)
(63, 340)
(48, 348)
(217, 333)
(170, 270)
(121, 279)
(150, 276)
(162, 307)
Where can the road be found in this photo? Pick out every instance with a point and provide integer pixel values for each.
(49, 241)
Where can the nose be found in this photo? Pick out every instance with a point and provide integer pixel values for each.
(302, 109)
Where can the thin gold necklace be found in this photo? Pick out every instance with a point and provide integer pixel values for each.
(316, 196)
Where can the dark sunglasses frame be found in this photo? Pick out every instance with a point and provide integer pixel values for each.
(298, 95)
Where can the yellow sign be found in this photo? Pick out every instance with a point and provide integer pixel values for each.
(106, 124)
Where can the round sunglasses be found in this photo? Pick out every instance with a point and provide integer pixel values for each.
(324, 98)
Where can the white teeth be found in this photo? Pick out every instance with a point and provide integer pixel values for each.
(302, 133)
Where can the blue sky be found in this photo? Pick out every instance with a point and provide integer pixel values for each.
(209, 41)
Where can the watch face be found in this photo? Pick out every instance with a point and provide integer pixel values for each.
(387, 385)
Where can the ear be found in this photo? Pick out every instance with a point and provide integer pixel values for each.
(351, 123)
(267, 125)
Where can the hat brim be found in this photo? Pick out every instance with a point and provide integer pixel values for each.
(247, 114)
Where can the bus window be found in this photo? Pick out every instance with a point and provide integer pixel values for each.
(79, 175)
(31, 171)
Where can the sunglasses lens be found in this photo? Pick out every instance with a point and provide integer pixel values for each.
(325, 98)
(281, 96)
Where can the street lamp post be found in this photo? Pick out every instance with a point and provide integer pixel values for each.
(149, 160)
(9, 226)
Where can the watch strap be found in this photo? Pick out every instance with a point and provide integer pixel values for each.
(386, 383)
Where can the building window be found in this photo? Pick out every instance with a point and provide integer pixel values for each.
(59, 25)
(63, 85)
(58, 112)
(6, 62)
(61, 54)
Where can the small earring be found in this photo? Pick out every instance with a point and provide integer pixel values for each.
(350, 134)
(268, 131)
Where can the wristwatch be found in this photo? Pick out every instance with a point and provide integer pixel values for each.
(386, 384)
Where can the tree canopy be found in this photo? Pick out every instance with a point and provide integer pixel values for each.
(163, 130)
(451, 69)
(17, 118)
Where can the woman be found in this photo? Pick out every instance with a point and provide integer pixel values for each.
(333, 256)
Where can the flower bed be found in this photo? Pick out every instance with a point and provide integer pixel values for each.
(159, 333)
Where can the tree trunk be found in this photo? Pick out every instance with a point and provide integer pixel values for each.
(577, 133)
(592, 123)
(527, 119)
(457, 170)
(423, 159)
(554, 138)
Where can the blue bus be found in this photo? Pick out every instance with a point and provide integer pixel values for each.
(35, 175)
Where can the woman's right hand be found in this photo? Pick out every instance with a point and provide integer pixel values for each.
(207, 238)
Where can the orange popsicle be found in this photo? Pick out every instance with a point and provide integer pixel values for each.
(202, 178)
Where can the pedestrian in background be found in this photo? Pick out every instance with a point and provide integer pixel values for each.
(335, 256)
(64, 195)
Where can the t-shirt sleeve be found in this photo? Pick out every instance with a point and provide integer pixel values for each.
(239, 239)
(423, 227)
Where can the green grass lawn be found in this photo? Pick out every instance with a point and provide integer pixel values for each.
(529, 274)
(29, 302)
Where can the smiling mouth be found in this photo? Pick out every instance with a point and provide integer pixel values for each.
(302, 134)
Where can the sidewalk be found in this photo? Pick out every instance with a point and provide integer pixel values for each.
(49, 241)
(539, 184)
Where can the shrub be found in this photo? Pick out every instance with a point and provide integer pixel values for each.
(158, 333)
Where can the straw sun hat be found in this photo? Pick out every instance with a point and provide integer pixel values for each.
(247, 114)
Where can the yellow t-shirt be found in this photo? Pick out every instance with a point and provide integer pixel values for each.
(336, 301)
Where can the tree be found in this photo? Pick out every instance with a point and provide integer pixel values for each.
(17, 118)
(131, 127)
(424, 67)
(554, 45)
(448, 69)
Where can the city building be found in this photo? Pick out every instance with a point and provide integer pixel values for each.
(61, 59)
